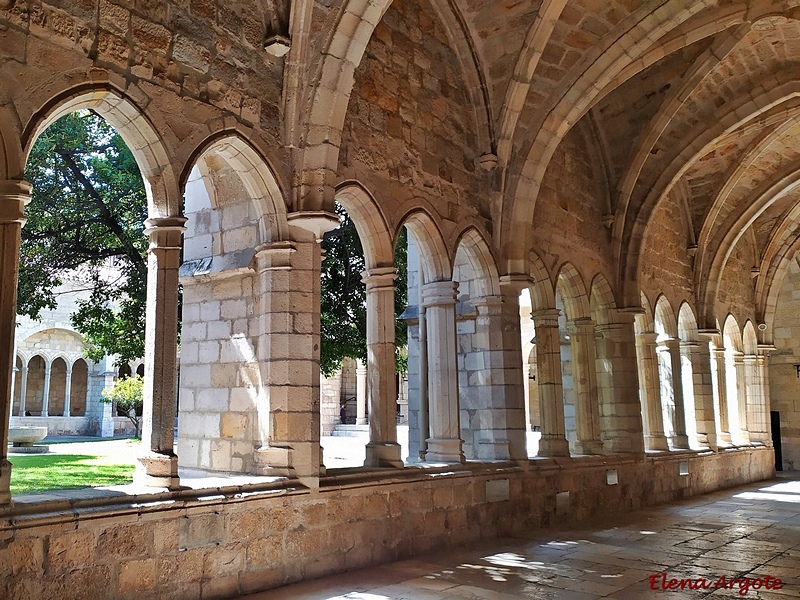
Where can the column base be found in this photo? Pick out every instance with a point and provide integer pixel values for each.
(273, 461)
(680, 442)
(158, 470)
(624, 445)
(724, 439)
(744, 437)
(553, 445)
(445, 450)
(709, 440)
(383, 454)
(362, 422)
(5, 482)
(656, 442)
(494, 450)
(288, 461)
(589, 447)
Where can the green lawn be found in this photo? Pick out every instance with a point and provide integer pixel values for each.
(37, 473)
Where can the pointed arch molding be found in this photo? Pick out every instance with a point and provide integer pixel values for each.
(481, 261)
(784, 182)
(781, 250)
(256, 175)
(532, 49)
(11, 161)
(541, 287)
(776, 101)
(371, 225)
(135, 127)
(729, 182)
(601, 300)
(434, 257)
(329, 97)
(633, 37)
(702, 66)
(570, 285)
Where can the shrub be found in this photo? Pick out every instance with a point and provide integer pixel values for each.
(127, 395)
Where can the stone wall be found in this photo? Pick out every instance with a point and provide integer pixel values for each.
(736, 290)
(410, 128)
(220, 382)
(783, 381)
(230, 543)
(571, 209)
(666, 265)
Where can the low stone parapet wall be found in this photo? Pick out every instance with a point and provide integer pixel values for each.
(83, 426)
(225, 542)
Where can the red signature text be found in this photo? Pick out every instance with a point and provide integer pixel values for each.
(660, 581)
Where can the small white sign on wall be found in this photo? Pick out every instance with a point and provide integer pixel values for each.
(497, 490)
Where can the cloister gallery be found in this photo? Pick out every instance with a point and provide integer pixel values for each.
(629, 169)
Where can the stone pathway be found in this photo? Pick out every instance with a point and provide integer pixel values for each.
(750, 532)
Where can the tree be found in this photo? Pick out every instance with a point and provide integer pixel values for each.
(127, 396)
(87, 212)
(343, 317)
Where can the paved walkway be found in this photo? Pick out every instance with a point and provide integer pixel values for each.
(750, 532)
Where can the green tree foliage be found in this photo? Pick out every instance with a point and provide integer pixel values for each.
(127, 396)
(88, 206)
(344, 312)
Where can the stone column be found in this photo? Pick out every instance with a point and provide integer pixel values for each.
(551, 396)
(48, 368)
(445, 444)
(288, 353)
(14, 195)
(501, 393)
(67, 392)
(650, 391)
(23, 389)
(699, 354)
(361, 392)
(424, 405)
(741, 397)
(674, 386)
(760, 425)
(382, 449)
(587, 406)
(618, 384)
(159, 466)
(720, 390)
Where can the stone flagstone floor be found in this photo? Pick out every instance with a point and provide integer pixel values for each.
(748, 532)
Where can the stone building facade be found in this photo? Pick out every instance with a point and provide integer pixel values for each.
(54, 384)
(630, 167)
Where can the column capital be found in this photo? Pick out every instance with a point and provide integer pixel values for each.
(764, 349)
(378, 278)
(317, 222)
(708, 332)
(581, 326)
(439, 293)
(647, 337)
(545, 317)
(14, 195)
(670, 343)
(514, 283)
(165, 233)
(273, 256)
(489, 304)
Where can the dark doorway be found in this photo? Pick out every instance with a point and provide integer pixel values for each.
(775, 421)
